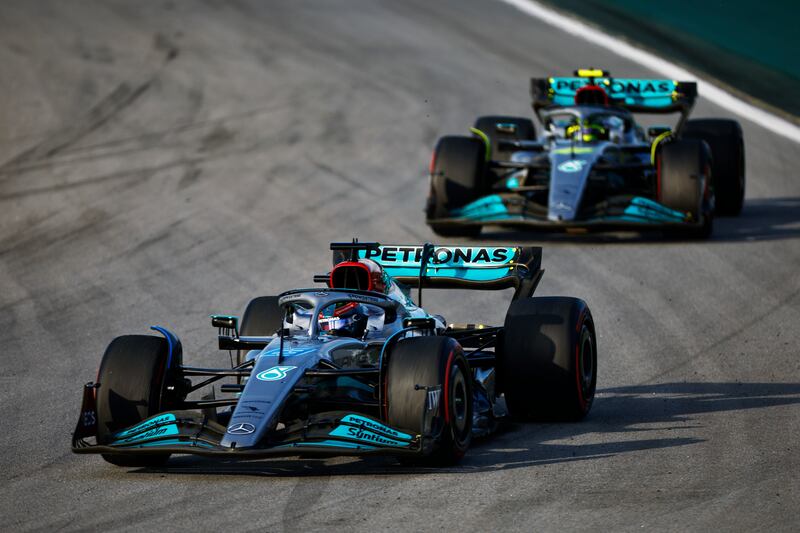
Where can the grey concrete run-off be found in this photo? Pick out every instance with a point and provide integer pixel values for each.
(160, 161)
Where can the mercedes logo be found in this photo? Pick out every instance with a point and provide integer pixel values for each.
(241, 429)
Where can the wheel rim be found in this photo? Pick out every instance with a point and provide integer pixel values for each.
(741, 170)
(459, 412)
(586, 370)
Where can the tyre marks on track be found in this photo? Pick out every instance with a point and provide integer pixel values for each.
(125, 94)
(120, 98)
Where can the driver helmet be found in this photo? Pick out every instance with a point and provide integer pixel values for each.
(363, 275)
(350, 319)
(345, 320)
(588, 130)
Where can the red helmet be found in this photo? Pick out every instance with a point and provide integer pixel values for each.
(364, 275)
(591, 94)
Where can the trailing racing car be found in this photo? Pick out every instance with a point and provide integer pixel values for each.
(354, 367)
(593, 166)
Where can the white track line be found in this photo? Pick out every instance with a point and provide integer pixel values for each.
(672, 71)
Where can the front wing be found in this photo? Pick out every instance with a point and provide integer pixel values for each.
(515, 209)
(190, 432)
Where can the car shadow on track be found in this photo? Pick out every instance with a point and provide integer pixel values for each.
(633, 410)
(654, 409)
(762, 219)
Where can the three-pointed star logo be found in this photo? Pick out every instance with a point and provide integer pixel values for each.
(242, 428)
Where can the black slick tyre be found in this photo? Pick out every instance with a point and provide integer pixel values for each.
(457, 178)
(726, 142)
(417, 363)
(262, 318)
(683, 171)
(505, 128)
(131, 379)
(547, 367)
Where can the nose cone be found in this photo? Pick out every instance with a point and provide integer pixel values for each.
(570, 165)
(263, 396)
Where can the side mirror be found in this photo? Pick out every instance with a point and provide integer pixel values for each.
(506, 127)
(226, 323)
(655, 131)
(420, 323)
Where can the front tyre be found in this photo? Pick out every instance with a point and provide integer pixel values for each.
(132, 381)
(684, 184)
(547, 366)
(726, 142)
(262, 318)
(417, 364)
(457, 179)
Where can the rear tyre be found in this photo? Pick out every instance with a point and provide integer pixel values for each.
(502, 128)
(131, 378)
(684, 175)
(262, 318)
(726, 142)
(420, 362)
(457, 178)
(547, 367)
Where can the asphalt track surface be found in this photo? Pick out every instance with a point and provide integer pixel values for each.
(160, 161)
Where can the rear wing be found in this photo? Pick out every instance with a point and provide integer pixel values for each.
(638, 95)
(452, 266)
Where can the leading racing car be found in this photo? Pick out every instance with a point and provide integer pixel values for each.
(354, 367)
(593, 166)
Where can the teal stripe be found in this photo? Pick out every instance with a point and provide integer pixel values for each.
(329, 444)
(362, 420)
(173, 442)
(142, 426)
